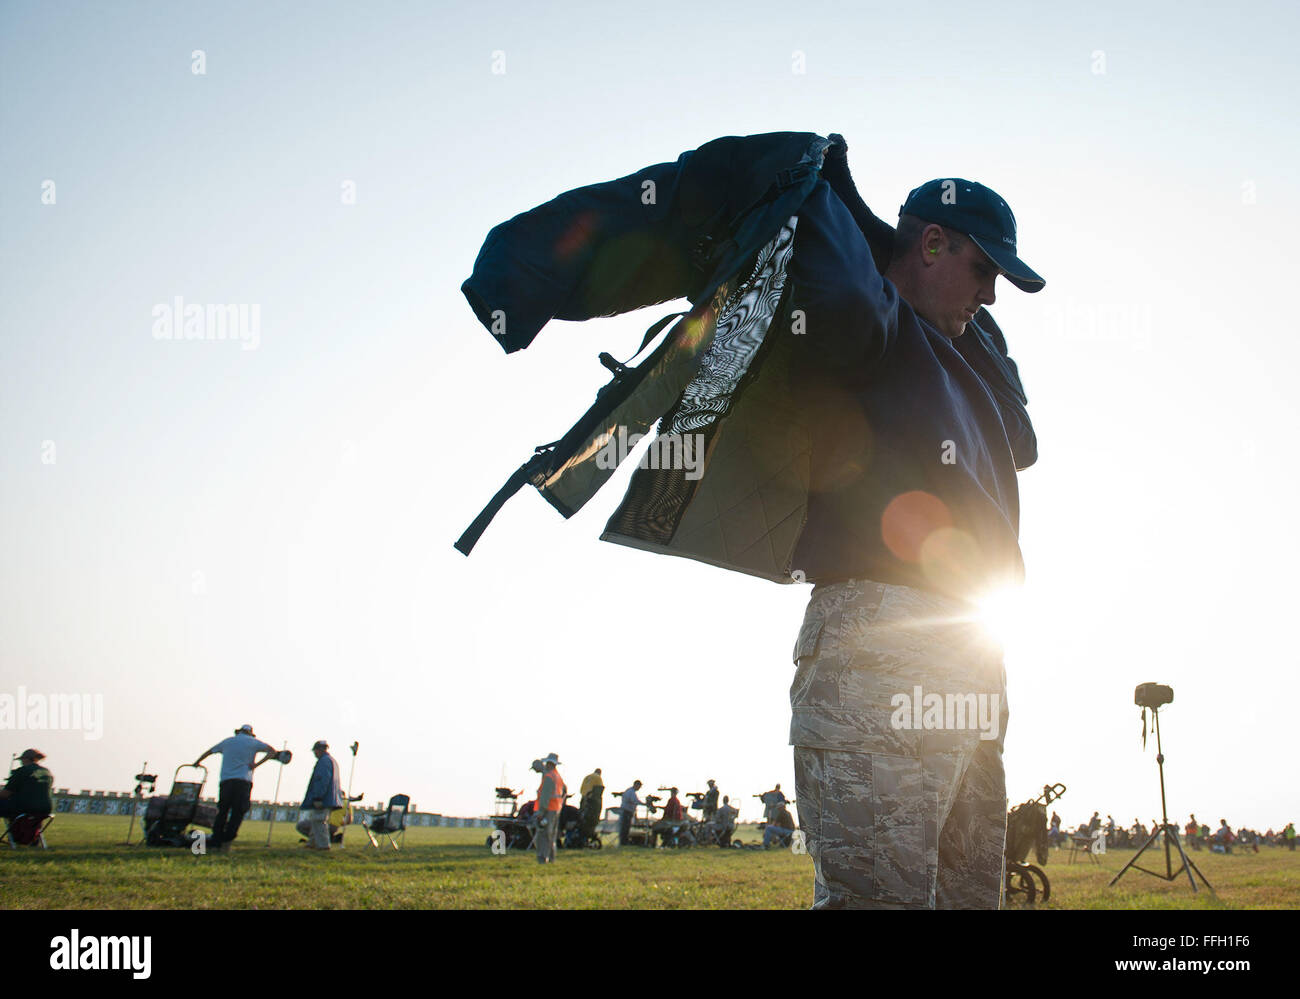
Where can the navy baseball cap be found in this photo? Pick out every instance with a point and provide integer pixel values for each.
(971, 208)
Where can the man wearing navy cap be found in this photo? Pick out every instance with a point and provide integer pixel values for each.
(918, 427)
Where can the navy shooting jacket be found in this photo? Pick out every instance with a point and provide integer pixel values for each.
(716, 227)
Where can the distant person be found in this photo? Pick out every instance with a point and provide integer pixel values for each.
(726, 821)
(550, 803)
(27, 792)
(1190, 833)
(324, 794)
(672, 819)
(591, 799)
(780, 827)
(1054, 833)
(236, 788)
(627, 812)
(592, 782)
(1094, 823)
(344, 816)
(771, 799)
(1288, 836)
(1223, 836)
(710, 802)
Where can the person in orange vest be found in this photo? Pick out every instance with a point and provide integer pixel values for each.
(550, 800)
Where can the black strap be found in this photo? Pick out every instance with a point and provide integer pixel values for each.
(620, 368)
(522, 475)
(543, 454)
(653, 332)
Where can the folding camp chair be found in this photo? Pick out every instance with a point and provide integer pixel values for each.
(392, 823)
(1081, 843)
(27, 829)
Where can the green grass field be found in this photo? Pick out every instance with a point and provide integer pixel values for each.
(450, 868)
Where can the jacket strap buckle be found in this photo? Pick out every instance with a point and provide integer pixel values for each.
(791, 176)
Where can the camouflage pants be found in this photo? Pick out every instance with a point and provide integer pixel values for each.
(901, 793)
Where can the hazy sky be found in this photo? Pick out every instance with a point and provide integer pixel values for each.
(204, 533)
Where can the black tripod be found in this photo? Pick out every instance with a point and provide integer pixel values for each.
(1171, 833)
(143, 782)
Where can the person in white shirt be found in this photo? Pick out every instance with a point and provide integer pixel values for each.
(627, 811)
(237, 765)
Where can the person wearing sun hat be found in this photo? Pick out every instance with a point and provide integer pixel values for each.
(27, 791)
(917, 427)
(550, 802)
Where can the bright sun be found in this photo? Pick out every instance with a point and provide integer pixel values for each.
(1002, 614)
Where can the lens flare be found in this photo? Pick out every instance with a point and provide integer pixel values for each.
(909, 519)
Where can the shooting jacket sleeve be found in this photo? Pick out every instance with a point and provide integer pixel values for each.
(653, 236)
(849, 311)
